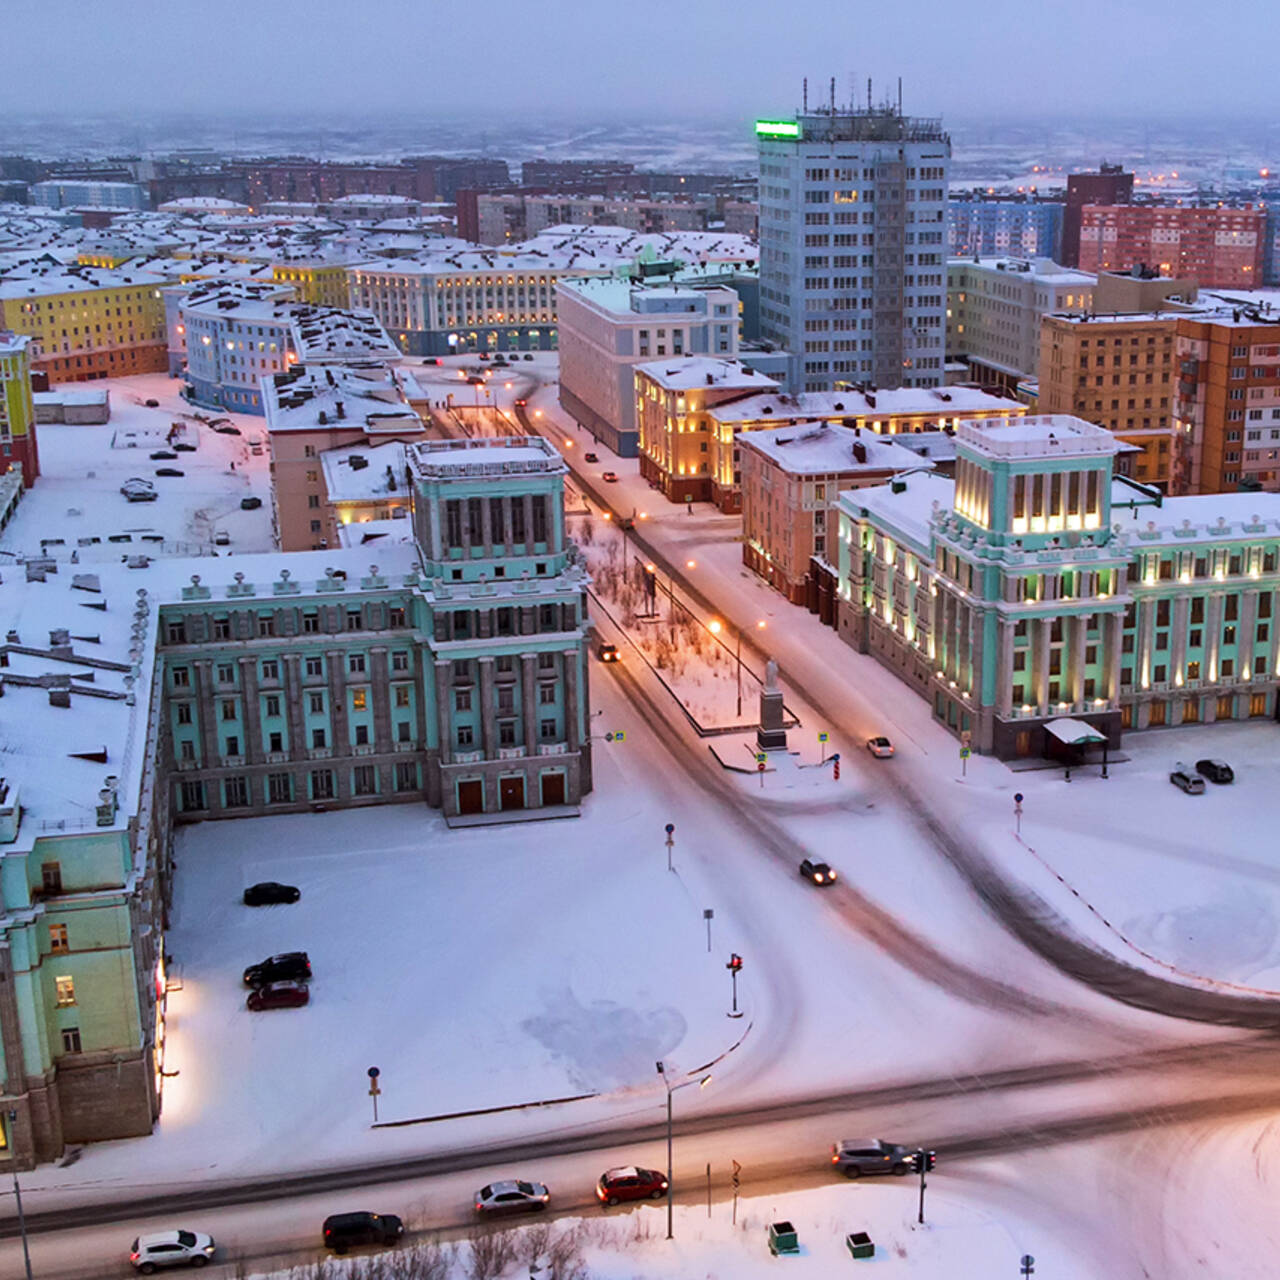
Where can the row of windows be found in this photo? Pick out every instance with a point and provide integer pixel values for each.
(269, 668)
(222, 627)
(281, 788)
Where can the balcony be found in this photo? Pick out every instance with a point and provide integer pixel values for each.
(511, 753)
(365, 748)
(277, 757)
(320, 753)
(467, 757)
(553, 748)
(413, 746)
(233, 762)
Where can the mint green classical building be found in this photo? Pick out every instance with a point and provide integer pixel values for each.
(1036, 587)
(448, 669)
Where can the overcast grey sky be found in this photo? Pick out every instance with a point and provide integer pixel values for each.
(668, 58)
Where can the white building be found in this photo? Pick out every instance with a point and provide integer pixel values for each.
(609, 325)
(447, 299)
(84, 193)
(853, 246)
(994, 309)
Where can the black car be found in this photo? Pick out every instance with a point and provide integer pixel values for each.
(818, 872)
(227, 430)
(153, 404)
(162, 455)
(1215, 770)
(269, 893)
(185, 448)
(342, 1230)
(250, 504)
(290, 966)
(169, 471)
(590, 457)
(528, 355)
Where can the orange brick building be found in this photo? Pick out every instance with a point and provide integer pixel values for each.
(1220, 247)
(1228, 401)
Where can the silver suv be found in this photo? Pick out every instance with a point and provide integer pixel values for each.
(855, 1157)
(161, 1249)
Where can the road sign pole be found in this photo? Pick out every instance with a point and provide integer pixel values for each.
(1027, 1265)
(373, 1074)
(1017, 812)
(708, 1189)
(737, 1169)
(920, 1156)
(708, 915)
(671, 831)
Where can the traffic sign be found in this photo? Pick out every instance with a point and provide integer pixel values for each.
(824, 737)
(620, 735)
(374, 1073)
(964, 753)
(1028, 1264)
(761, 757)
(760, 767)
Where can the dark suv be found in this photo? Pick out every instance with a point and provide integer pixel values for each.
(292, 966)
(343, 1230)
(856, 1157)
(1215, 770)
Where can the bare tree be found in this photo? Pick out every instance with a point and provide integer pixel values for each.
(490, 1254)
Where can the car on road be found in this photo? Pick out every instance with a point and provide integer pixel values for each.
(289, 966)
(607, 652)
(520, 404)
(590, 457)
(163, 455)
(818, 872)
(137, 489)
(152, 404)
(610, 477)
(880, 747)
(250, 504)
(159, 1249)
(1216, 771)
(270, 893)
(512, 1197)
(859, 1157)
(475, 380)
(1183, 778)
(278, 995)
(169, 471)
(222, 538)
(631, 1183)
(185, 448)
(343, 1230)
(528, 355)
(224, 429)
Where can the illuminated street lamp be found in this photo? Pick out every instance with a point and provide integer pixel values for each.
(671, 1088)
(715, 627)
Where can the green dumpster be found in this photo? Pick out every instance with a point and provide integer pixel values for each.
(783, 1238)
(860, 1245)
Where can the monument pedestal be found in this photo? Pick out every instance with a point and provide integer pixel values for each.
(771, 736)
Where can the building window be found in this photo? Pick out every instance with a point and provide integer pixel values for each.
(229, 710)
(547, 695)
(226, 673)
(310, 623)
(395, 618)
(315, 666)
(547, 730)
(51, 877)
(355, 664)
(462, 699)
(58, 938)
(317, 739)
(355, 620)
(232, 746)
(506, 733)
(359, 699)
(279, 788)
(322, 784)
(466, 735)
(406, 775)
(365, 780)
(266, 624)
(181, 678)
(271, 670)
(193, 796)
(182, 711)
(362, 735)
(70, 1039)
(66, 990)
(399, 661)
(546, 662)
(235, 793)
(403, 733)
(316, 702)
(222, 628)
(273, 704)
(506, 698)
(402, 695)
(177, 633)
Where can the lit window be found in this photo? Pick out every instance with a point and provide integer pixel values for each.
(66, 990)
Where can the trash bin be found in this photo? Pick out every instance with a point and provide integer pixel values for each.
(783, 1238)
(860, 1245)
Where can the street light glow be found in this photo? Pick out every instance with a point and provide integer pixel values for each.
(714, 626)
(690, 564)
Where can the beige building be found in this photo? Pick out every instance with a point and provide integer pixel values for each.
(312, 411)
(790, 477)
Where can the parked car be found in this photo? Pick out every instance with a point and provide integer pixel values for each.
(278, 995)
(138, 490)
(343, 1230)
(225, 430)
(1215, 770)
(528, 355)
(185, 448)
(163, 455)
(250, 504)
(169, 471)
(512, 1197)
(520, 404)
(617, 1185)
(153, 404)
(880, 747)
(627, 523)
(607, 652)
(171, 1249)
(856, 1157)
(222, 538)
(1189, 782)
(289, 966)
(818, 872)
(270, 893)
(590, 457)
(610, 477)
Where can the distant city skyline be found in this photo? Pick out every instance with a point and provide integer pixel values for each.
(559, 61)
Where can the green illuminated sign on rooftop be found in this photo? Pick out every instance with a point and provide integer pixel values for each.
(777, 129)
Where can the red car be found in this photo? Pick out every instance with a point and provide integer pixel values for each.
(279, 995)
(631, 1183)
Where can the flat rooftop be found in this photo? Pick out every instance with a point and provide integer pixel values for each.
(806, 448)
(485, 456)
(1050, 435)
(687, 373)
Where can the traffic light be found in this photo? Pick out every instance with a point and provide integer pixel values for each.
(735, 962)
(930, 1159)
(916, 1158)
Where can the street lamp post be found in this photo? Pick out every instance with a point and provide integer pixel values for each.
(671, 1088)
(17, 1191)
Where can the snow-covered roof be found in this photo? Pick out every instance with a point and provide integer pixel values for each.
(1039, 270)
(904, 506)
(1208, 517)
(684, 373)
(807, 448)
(876, 405)
(43, 277)
(69, 393)
(484, 457)
(373, 533)
(334, 333)
(1048, 435)
(369, 397)
(378, 472)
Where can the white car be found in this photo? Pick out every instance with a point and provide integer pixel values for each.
(171, 1249)
(880, 747)
(512, 1197)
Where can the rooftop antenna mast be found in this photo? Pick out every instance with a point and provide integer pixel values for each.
(833, 95)
(899, 95)
(868, 93)
(806, 95)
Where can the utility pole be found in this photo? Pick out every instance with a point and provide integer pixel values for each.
(17, 1192)
(671, 831)
(671, 1088)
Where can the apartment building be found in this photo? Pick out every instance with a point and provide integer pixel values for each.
(317, 415)
(1108, 185)
(790, 478)
(1219, 247)
(82, 193)
(1227, 406)
(981, 225)
(1022, 592)
(994, 309)
(17, 408)
(853, 246)
(85, 322)
(609, 325)
(504, 217)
